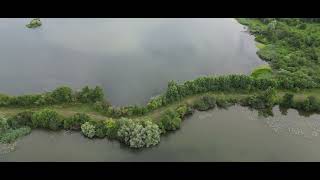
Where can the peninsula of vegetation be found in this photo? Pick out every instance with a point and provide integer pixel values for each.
(291, 80)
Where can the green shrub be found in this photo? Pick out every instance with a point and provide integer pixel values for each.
(184, 110)
(287, 100)
(21, 119)
(13, 134)
(112, 128)
(47, 118)
(205, 103)
(155, 103)
(62, 94)
(138, 133)
(34, 23)
(222, 102)
(170, 120)
(101, 106)
(90, 95)
(310, 104)
(3, 125)
(96, 94)
(264, 100)
(74, 122)
(88, 129)
(101, 129)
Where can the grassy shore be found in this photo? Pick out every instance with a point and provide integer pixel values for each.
(73, 108)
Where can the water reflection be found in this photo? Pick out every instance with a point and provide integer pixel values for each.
(133, 59)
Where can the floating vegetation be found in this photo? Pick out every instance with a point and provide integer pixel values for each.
(34, 23)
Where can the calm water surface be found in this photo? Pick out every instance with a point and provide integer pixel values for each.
(133, 59)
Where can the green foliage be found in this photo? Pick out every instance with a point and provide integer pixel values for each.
(169, 120)
(310, 104)
(101, 129)
(155, 103)
(3, 125)
(222, 102)
(265, 100)
(125, 111)
(184, 110)
(62, 94)
(292, 49)
(287, 100)
(74, 122)
(262, 72)
(13, 134)
(47, 119)
(57, 96)
(172, 93)
(34, 23)
(138, 133)
(112, 128)
(205, 103)
(21, 119)
(88, 129)
(87, 95)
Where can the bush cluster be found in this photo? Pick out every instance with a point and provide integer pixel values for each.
(264, 100)
(205, 103)
(74, 122)
(47, 119)
(8, 134)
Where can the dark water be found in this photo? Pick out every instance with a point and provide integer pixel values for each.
(237, 134)
(132, 59)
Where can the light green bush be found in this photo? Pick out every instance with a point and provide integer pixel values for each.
(88, 129)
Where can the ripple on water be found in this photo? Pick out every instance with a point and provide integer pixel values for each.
(291, 125)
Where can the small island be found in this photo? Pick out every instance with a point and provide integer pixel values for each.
(34, 23)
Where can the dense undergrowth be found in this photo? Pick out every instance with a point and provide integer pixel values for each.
(291, 47)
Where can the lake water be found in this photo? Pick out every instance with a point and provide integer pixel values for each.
(133, 59)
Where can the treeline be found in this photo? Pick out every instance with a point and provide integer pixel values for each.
(176, 92)
(59, 95)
